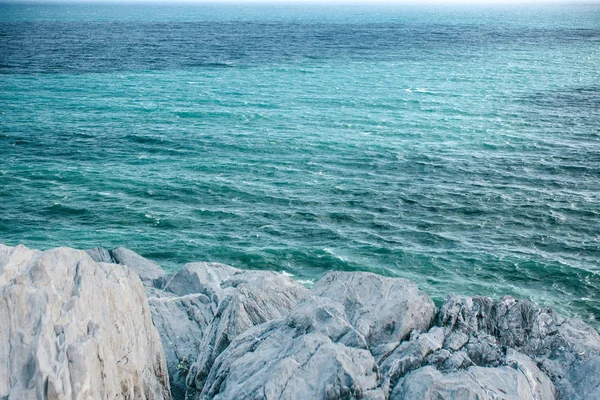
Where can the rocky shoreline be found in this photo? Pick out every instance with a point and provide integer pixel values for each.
(101, 324)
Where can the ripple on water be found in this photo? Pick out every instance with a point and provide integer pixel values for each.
(459, 151)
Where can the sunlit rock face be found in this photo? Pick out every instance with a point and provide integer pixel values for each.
(75, 328)
(90, 325)
(324, 347)
(204, 306)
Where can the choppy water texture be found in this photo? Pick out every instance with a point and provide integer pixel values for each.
(457, 147)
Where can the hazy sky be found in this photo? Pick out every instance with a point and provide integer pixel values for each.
(365, 2)
(319, 1)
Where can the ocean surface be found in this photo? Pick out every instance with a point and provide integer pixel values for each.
(458, 147)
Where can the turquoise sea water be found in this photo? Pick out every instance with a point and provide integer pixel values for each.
(458, 147)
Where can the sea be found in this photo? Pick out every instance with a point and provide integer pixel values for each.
(457, 146)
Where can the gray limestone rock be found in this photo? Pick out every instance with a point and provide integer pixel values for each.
(79, 328)
(147, 270)
(201, 277)
(247, 299)
(564, 349)
(583, 379)
(183, 313)
(456, 340)
(350, 320)
(75, 328)
(314, 353)
(100, 254)
(384, 310)
(181, 322)
(483, 349)
(14, 261)
(474, 383)
(409, 355)
(540, 385)
(151, 274)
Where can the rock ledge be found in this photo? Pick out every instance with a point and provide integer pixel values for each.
(110, 324)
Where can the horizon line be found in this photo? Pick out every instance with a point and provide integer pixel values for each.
(311, 2)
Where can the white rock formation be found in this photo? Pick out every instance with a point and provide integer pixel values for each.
(75, 328)
(72, 328)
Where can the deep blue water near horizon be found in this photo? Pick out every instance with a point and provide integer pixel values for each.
(457, 147)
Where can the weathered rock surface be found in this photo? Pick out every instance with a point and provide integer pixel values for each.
(182, 314)
(100, 254)
(408, 356)
(148, 271)
(181, 322)
(359, 335)
(205, 305)
(201, 277)
(246, 299)
(314, 353)
(473, 383)
(482, 331)
(478, 340)
(384, 310)
(228, 333)
(323, 349)
(74, 328)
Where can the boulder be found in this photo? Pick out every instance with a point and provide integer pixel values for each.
(181, 322)
(328, 347)
(14, 261)
(485, 332)
(147, 270)
(474, 383)
(100, 254)
(183, 312)
(314, 353)
(384, 310)
(540, 386)
(247, 299)
(201, 277)
(409, 355)
(205, 305)
(75, 328)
